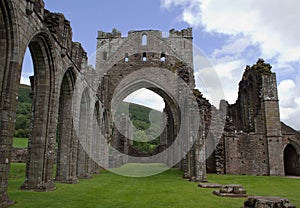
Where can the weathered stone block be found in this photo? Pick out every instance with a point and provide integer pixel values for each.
(231, 190)
(267, 202)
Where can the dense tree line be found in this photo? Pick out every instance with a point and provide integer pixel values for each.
(22, 123)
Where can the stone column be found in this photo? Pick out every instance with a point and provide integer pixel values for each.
(42, 142)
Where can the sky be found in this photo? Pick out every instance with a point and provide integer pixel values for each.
(231, 34)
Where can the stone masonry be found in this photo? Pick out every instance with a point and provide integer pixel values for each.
(73, 124)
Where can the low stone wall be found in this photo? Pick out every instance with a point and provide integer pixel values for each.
(19, 155)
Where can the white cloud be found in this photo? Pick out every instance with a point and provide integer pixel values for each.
(272, 25)
(286, 90)
(289, 102)
(25, 79)
(253, 29)
(147, 98)
(217, 78)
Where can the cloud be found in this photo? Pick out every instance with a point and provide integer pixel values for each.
(250, 30)
(271, 25)
(289, 102)
(287, 91)
(25, 78)
(146, 98)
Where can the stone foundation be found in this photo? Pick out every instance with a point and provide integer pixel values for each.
(19, 155)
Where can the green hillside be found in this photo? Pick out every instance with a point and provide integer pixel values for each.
(140, 115)
(147, 122)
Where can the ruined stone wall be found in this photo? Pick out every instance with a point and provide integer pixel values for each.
(146, 59)
(246, 154)
(256, 143)
(112, 47)
(291, 139)
(23, 24)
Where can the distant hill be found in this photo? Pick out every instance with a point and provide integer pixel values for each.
(140, 115)
(24, 93)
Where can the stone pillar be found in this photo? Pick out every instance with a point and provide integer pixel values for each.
(6, 140)
(42, 142)
(200, 162)
(5, 152)
(272, 124)
(66, 149)
(96, 141)
(83, 163)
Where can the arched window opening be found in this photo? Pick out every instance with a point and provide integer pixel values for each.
(24, 106)
(144, 40)
(34, 105)
(291, 161)
(144, 56)
(126, 59)
(163, 57)
(64, 132)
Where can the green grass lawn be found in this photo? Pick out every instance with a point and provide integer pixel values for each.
(20, 142)
(167, 189)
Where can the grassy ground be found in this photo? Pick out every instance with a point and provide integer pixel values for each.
(20, 142)
(164, 190)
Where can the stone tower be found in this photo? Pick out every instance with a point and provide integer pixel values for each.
(254, 145)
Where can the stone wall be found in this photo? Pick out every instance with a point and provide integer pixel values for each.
(58, 62)
(19, 155)
(246, 154)
(254, 141)
(146, 59)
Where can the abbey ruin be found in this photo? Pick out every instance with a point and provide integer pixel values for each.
(73, 116)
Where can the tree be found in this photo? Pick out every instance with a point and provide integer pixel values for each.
(140, 140)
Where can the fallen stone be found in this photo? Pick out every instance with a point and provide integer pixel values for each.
(267, 202)
(209, 185)
(231, 190)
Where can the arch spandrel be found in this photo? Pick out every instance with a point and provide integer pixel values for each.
(121, 69)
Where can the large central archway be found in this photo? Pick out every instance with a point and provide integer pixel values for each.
(170, 127)
(171, 79)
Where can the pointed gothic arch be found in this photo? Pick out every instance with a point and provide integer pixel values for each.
(291, 160)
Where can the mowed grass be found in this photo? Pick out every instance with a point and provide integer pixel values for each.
(167, 189)
(20, 142)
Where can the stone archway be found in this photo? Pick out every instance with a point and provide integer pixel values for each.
(172, 116)
(291, 161)
(8, 89)
(84, 162)
(172, 80)
(66, 171)
(210, 154)
(45, 39)
(39, 169)
(96, 152)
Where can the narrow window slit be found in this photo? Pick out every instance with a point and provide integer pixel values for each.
(144, 40)
(126, 59)
(163, 57)
(144, 56)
